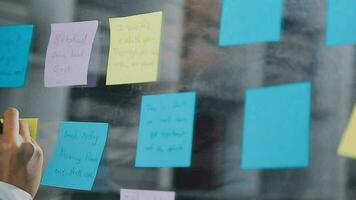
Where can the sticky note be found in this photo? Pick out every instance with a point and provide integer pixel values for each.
(32, 125)
(341, 28)
(15, 45)
(75, 161)
(276, 131)
(146, 195)
(347, 147)
(252, 21)
(68, 53)
(166, 130)
(134, 49)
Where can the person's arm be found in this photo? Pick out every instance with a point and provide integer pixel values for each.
(21, 159)
(10, 192)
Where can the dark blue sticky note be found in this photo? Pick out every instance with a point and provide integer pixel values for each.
(75, 161)
(341, 22)
(15, 45)
(166, 130)
(250, 21)
(277, 127)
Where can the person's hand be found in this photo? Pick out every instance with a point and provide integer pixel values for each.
(21, 158)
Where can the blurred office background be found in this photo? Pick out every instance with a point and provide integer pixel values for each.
(192, 60)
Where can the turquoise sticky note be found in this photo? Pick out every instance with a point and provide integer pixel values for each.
(341, 28)
(15, 45)
(250, 21)
(277, 127)
(166, 130)
(75, 161)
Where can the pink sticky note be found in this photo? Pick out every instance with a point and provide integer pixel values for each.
(68, 53)
(145, 195)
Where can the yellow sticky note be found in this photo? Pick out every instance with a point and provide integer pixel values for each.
(134, 49)
(347, 146)
(33, 125)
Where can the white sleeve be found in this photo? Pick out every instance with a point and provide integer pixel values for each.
(10, 192)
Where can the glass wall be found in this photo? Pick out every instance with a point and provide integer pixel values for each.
(191, 59)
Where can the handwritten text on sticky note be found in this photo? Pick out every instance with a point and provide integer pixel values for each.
(251, 21)
(134, 49)
(68, 53)
(77, 155)
(166, 130)
(341, 28)
(15, 44)
(146, 195)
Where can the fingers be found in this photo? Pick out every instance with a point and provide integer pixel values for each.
(38, 151)
(30, 153)
(11, 123)
(26, 152)
(25, 131)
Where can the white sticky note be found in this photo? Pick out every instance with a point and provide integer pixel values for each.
(68, 53)
(145, 195)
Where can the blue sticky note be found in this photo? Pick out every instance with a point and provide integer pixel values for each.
(76, 158)
(277, 127)
(15, 45)
(250, 21)
(341, 28)
(166, 130)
